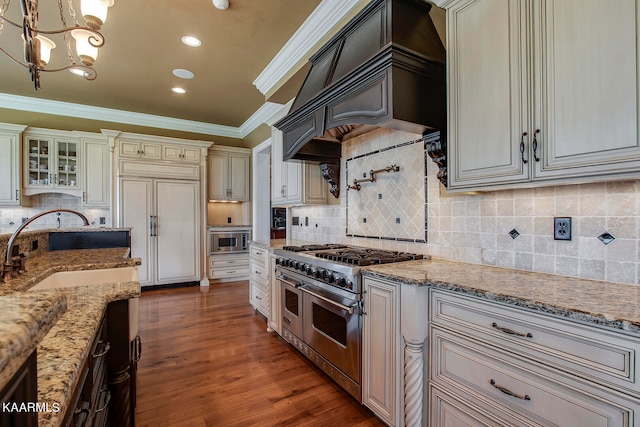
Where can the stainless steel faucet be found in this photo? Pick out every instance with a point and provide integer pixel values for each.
(9, 271)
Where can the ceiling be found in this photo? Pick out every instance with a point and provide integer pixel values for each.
(143, 46)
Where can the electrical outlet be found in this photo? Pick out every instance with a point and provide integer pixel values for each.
(562, 228)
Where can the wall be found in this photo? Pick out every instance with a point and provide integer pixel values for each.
(475, 228)
(45, 202)
(218, 213)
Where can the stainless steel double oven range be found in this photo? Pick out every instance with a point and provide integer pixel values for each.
(321, 292)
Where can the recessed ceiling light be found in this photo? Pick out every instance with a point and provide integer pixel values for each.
(221, 4)
(191, 41)
(182, 73)
(178, 90)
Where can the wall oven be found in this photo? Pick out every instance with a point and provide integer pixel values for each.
(222, 242)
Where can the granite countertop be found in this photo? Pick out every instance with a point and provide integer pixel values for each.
(615, 305)
(25, 319)
(63, 339)
(43, 265)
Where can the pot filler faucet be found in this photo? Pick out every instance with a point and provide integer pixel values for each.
(9, 268)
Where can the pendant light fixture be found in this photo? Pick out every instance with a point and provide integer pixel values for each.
(37, 47)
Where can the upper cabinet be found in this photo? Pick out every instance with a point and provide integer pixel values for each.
(228, 175)
(541, 91)
(96, 184)
(294, 182)
(10, 190)
(52, 162)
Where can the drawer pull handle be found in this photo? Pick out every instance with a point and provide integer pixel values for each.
(509, 392)
(106, 403)
(287, 320)
(510, 332)
(106, 348)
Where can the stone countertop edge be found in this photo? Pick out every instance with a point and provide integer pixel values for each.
(63, 351)
(25, 319)
(614, 305)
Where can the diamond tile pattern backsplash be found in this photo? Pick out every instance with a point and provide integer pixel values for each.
(475, 227)
(392, 207)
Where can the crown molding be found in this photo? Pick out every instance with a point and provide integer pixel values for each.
(262, 115)
(45, 106)
(314, 29)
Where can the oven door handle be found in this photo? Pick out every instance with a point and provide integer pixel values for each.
(348, 309)
(282, 279)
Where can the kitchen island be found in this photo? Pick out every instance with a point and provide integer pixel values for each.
(64, 350)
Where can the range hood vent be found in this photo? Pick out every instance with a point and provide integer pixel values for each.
(385, 68)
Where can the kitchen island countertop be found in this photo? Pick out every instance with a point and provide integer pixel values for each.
(67, 343)
(615, 305)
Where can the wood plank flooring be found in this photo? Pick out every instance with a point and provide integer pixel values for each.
(207, 360)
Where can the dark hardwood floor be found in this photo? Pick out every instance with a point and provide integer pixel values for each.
(207, 360)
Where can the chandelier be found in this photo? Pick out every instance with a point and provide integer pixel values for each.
(37, 47)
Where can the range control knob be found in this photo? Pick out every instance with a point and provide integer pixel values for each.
(325, 274)
(347, 283)
(332, 277)
(319, 273)
(310, 270)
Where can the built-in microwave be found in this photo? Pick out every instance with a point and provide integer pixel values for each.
(226, 242)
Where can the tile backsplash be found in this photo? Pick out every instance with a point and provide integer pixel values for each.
(475, 227)
(393, 206)
(11, 218)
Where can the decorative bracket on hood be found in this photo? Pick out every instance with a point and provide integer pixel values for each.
(385, 68)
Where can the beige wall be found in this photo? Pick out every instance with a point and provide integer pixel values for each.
(475, 228)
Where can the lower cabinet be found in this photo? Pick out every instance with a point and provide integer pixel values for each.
(275, 313)
(22, 388)
(259, 280)
(229, 267)
(103, 394)
(382, 350)
(495, 365)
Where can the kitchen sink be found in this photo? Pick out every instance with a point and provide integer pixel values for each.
(69, 279)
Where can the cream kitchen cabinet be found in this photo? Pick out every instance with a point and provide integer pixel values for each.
(275, 313)
(537, 95)
(52, 162)
(96, 177)
(294, 183)
(501, 365)
(228, 267)
(382, 350)
(137, 149)
(259, 280)
(164, 217)
(228, 174)
(10, 189)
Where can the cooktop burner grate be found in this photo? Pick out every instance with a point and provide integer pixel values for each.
(363, 257)
(318, 247)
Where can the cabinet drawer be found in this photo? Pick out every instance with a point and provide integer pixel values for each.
(259, 299)
(259, 273)
(258, 255)
(449, 411)
(524, 392)
(597, 354)
(229, 272)
(226, 263)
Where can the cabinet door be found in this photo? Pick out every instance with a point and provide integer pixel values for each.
(129, 149)
(218, 174)
(9, 169)
(191, 154)
(587, 109)
(39, 169)
(293, 189)
(239, 177)
(381, 352)
(171, 152)
(315, 186)
(135, 212)
(96, 174)
(177, 231)
(488, 102)
(278, 171)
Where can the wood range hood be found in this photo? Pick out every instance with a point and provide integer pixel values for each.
(385, 68)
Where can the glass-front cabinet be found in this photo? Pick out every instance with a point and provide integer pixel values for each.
(53, 164)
